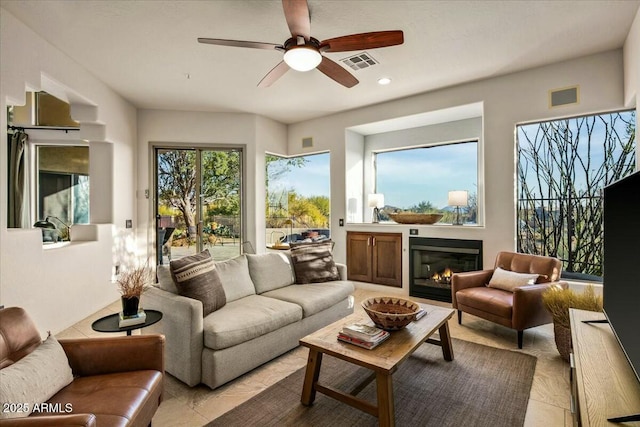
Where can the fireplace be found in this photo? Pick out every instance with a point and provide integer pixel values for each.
(432, 262)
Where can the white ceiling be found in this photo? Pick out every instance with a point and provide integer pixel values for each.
(148, 53)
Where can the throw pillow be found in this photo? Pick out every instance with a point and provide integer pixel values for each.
(314, 263)
(270, 271)
(196, 277)
(35, 378)
(236, 281)
(165, 279)
(509, 280)
(307, 242)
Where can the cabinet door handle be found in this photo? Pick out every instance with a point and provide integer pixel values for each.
(373, 239)
(369, 241)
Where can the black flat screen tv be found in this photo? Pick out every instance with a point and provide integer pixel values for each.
(621, 269)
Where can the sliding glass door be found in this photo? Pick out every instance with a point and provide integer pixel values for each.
(198, 194)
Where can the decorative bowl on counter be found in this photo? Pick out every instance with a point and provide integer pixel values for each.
(390, 313)
(415, 218)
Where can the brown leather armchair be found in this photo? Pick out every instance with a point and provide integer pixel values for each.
(519, 310)
(118, 381)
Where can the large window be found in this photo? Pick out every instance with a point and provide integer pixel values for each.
(563, 165)
(419, 179)
(298, 195)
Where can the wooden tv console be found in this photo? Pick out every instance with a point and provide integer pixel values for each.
(603, 384)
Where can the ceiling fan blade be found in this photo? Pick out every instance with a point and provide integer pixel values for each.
(273, 75)
(296, 13)
(334, 71)
(363, 41)
(241, 43)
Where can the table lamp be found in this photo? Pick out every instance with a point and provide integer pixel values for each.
(458, 198)
(375, 201)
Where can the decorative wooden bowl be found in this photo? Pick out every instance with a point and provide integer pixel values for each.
(415, 218)
(390, 313)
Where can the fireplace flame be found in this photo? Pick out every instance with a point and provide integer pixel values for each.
(444, 277)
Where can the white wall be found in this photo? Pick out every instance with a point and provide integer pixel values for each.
(60, 285)
(507, 101)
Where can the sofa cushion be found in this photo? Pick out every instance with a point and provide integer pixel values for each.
(490, 300)
(314, 263)
(247, 318)
(510, 280)
(270, 271)
(236, 281)
(115, 399)
(35, 378)
(165, 279)
(196, 277)
(313, 298)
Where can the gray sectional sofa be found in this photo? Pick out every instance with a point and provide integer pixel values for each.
(265, 315)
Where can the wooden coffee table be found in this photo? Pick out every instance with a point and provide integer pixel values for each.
(382, 360)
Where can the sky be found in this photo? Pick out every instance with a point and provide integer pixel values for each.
(311, 180)
(409, 177)
(406, 177)
(589, 148)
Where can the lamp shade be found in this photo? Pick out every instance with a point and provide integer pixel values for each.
(458, 198)
(375, 200)
(302, 58)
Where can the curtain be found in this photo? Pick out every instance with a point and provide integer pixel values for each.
(18, 184)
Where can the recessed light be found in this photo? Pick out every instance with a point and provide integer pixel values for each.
(384, 81)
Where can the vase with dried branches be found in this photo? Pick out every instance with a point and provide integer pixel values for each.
(558, 301)
(131, 284)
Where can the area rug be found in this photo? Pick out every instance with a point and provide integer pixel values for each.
(482, 386)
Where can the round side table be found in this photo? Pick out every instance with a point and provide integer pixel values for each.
(110, 323)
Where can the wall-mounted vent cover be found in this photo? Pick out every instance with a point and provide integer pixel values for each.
(307, 142)
(360, 61)
(564, 96)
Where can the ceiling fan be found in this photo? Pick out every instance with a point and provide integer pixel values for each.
(303, 52)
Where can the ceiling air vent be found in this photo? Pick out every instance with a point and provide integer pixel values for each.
(360, 61)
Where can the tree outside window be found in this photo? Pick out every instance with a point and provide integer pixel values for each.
(298, 191)
(563, 166)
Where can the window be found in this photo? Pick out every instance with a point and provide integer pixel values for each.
(298, 195)
(563, 165)
(63, 183)
(419, 179)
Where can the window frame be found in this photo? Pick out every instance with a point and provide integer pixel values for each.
(268, 237)
(34, 171)
(478, 161)
(573, 275)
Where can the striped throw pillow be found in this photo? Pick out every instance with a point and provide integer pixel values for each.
(196, 277)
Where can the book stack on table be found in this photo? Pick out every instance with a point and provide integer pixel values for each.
(136, 319)
(363, 335)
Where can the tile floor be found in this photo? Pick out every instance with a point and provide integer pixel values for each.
(194, 406)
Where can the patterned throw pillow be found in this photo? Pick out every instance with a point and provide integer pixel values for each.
(314, 263)
(35, 378)
(196, 277)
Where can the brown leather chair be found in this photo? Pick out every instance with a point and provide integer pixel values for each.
(519, 310)
(118, 381)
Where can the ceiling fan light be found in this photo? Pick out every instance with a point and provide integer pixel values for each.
(302, 58)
